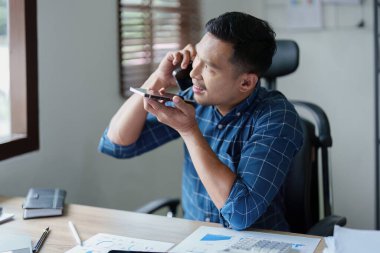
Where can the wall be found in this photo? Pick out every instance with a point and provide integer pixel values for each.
(78, 90)
(345, 89)
(336, 72)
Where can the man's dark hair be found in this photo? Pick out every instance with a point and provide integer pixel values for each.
(253, 40)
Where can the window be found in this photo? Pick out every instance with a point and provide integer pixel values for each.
(18, 78)
(148, 30)
(5, 123)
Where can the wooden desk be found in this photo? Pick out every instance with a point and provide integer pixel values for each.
(92, 220)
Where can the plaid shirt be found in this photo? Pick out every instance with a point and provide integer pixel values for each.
(257, 140)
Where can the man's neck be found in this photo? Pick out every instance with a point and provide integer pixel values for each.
(225, 109)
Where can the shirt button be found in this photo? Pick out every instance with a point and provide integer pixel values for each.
(207, 219)
(220, 126)
(238, 114)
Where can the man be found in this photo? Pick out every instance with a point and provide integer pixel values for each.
(239, 139)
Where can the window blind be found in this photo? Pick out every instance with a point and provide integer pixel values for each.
(148, 30)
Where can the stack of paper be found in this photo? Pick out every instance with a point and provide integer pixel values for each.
(346, 240)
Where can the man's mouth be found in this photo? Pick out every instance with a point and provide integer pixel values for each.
(197, 89)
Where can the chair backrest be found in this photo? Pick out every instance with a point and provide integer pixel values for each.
(301, 198)
(301, 185)
(285, 61)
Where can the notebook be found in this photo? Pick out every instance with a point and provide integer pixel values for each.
(44, 202)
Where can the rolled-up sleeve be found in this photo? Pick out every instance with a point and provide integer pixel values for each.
(264, 164)
(153, 135)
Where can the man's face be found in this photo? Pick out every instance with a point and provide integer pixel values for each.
(215, 79)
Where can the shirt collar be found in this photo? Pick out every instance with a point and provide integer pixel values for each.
(245, 105)
(238, 110)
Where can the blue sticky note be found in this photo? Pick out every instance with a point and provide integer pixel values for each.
(211, 237)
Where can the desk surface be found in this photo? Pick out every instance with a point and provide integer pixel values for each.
(92, 220)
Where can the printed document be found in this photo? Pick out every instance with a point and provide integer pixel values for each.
(102, 243)
(212, 239)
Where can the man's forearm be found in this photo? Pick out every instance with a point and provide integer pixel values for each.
(127, 124)
(215, 176)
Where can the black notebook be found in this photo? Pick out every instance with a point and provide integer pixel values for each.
(44, 202)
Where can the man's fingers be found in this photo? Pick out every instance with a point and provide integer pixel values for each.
(185, 56)
(147, 106)
(186, 108)
(186, 59)
(177, 58)
(155, 105)
(162, 91)
(191, 49)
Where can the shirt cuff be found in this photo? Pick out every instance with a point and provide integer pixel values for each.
(227, 211)
(106, 146)
(230, 217)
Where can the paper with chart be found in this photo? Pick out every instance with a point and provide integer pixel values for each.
(304, 14)
(102, 243)
(211, 239)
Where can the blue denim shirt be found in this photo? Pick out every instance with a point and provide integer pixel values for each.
(257, 140)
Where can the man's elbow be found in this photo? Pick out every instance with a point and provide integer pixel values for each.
(117, 138)
(113, 153)
(238, 224)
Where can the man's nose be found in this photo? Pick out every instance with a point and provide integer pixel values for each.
(196, 72)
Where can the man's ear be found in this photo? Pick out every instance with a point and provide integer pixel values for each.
(248, 82)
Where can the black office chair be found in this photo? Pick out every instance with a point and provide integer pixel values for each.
(302, 185)
(302, 209)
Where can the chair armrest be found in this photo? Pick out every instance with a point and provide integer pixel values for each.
(325, 227)
(157, 204)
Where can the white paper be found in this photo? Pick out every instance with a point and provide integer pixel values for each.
(304, 14)
(5, 217)
(330, 245)
(102, 243)
(210, 239)
(349, 240)
(21, 243)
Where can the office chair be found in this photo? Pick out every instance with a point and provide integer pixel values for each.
(301, 198)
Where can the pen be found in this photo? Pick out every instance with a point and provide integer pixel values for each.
(41, 240)
(75, 233)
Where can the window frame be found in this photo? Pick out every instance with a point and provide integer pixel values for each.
(23, 80)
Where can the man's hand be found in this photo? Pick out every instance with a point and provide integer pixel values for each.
(185, 56)
(162, 77)
(127, 124)
(181, 117)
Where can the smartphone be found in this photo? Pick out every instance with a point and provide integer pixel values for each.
(182, 77)
(157, 96)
